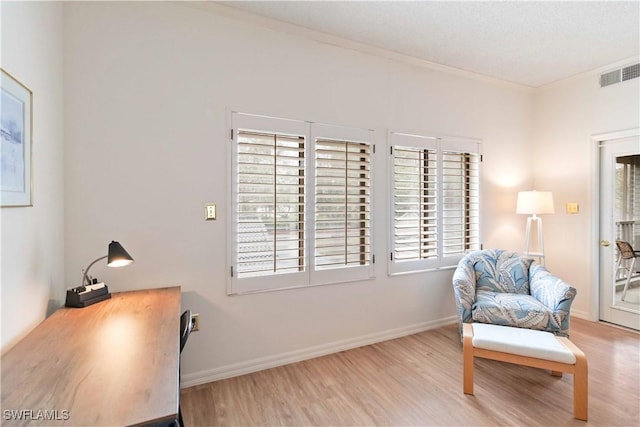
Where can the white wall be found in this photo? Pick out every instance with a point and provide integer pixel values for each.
(32, 279)
(567, 114)
(147, 92)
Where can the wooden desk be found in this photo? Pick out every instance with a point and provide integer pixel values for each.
(113, 363)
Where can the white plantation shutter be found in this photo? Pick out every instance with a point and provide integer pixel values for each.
(415, 217)
(460, 202)
(342, 213)
(270, 204)
(268, 243)
(342, 203)
(435, 201)
(300, 204)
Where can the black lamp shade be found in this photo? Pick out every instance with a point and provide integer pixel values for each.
(118, 256)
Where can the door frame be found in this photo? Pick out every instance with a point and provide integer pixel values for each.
(596, 139)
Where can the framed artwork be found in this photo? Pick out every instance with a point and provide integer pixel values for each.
(16, 149)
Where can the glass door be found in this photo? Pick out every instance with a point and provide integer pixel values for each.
(619, 195)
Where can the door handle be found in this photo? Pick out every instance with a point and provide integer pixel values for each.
(604, 243)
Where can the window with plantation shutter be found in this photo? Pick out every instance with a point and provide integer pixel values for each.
(460, 202)
(342, 203)
(342, 194)
(300, 204)
(270, 203)
(415, 221)
(435, 201)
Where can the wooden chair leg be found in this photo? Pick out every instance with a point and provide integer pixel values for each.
(581, 389)
(467, 354)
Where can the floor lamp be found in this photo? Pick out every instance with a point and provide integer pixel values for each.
(534, 203)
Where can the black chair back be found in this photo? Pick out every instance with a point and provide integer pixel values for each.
(186, 325)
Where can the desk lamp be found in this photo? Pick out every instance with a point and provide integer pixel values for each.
(91, 292)
(534, 203)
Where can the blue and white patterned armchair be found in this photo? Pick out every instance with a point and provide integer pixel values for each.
(503, 288)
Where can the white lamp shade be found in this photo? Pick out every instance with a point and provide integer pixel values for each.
(535, 202)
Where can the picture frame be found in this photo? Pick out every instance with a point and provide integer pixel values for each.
(16, 148)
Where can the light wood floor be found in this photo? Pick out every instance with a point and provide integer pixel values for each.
(417, 380)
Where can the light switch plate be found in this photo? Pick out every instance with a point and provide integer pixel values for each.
(211, 211)
(572, 208)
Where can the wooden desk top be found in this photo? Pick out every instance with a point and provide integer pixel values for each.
(112, 363)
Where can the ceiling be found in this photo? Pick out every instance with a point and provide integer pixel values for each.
(532, 43)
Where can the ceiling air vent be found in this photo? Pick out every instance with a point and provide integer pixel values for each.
(631, 72)
(620, 75)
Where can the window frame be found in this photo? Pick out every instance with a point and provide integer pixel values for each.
(254, 123)
(440, 144)
(243, 122)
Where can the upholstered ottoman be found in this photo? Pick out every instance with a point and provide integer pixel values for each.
(526, 347)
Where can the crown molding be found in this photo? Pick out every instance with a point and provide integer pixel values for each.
(340, 42)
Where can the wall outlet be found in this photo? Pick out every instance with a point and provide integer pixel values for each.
(195, 322)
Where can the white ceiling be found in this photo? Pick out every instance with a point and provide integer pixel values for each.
(527, 42)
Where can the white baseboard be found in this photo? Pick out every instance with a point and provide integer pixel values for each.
(249, 366)
(581, 314)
